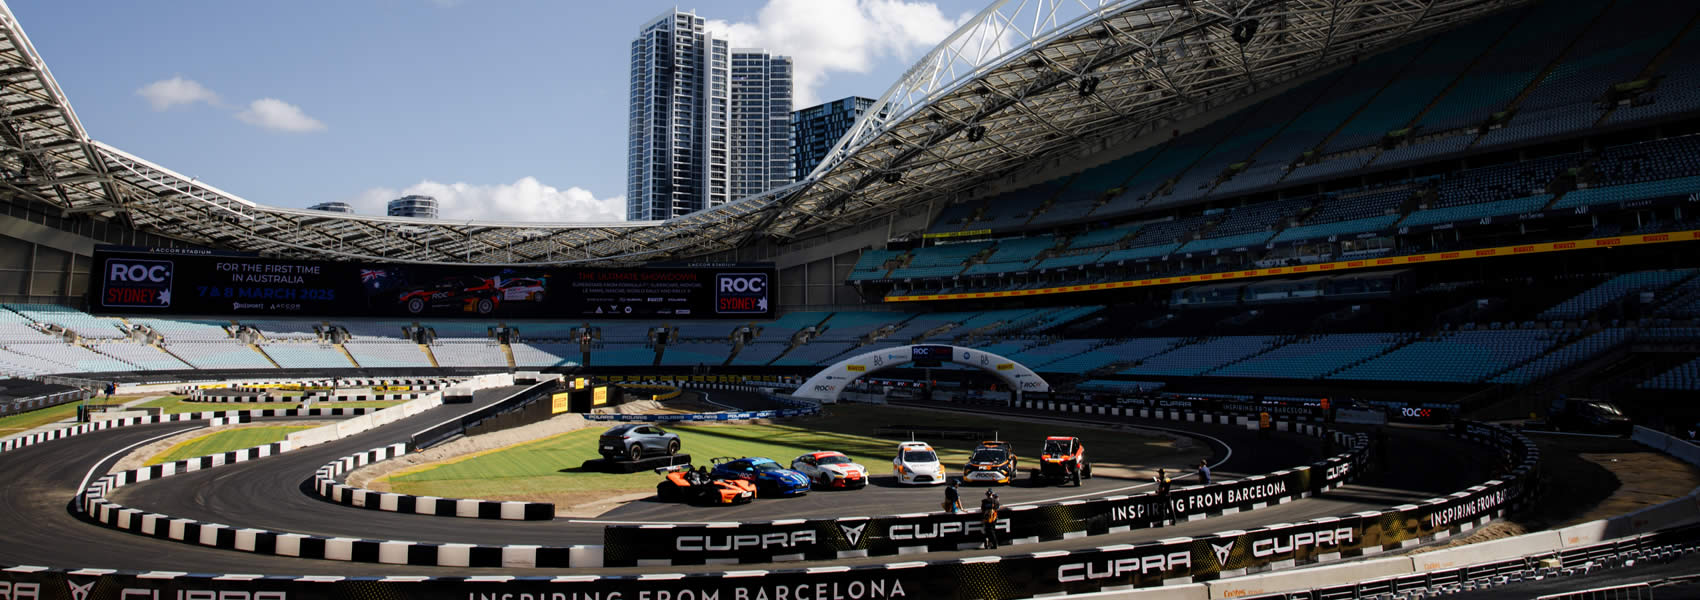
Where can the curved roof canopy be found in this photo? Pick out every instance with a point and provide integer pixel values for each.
(1020, 81)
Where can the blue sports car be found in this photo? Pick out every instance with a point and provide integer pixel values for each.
(770, 478)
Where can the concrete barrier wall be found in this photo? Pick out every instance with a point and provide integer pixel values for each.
(1678, 512)
(1281, 581)
(1523, 545)
(1188, 591)
(392, 414)
(1682, 450)
(342, 429)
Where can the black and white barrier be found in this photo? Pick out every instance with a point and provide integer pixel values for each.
(1164, 408)
(239, 416)
(847, 537)
(989, 577)
(1236, 563)
(798, 408)
(326, 486)
(319, 396)
(92, 504)
(421, 384)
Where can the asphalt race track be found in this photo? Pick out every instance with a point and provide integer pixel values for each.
(268, 494)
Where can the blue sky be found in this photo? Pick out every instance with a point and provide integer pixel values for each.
(504, 109)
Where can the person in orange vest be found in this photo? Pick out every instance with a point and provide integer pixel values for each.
(989, 520)
(1264, 424)
(1327, 412)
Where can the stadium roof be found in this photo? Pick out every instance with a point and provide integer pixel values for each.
(1020, 81)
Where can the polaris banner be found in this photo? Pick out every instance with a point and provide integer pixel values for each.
(131, 282)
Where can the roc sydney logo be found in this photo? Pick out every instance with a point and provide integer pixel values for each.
(736, 293)
(137, 283)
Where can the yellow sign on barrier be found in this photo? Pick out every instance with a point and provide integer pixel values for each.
(1331, 267)
(559, 403)
(599, 396)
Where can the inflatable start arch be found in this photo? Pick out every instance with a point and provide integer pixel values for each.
(826, 385)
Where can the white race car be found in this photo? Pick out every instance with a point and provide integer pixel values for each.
(917, 464)
(520, 289)
(831, 470)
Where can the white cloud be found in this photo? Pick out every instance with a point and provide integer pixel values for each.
(526, 200)
(166, 93)
(827, 36)
(277, 115)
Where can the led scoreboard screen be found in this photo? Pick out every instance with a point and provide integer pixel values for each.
(930, 356)
(136, 281)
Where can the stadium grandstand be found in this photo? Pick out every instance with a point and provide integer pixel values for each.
(1198, 221)
(1483, 205)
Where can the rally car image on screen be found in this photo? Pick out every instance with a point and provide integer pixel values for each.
(461, 294)
(520, 289)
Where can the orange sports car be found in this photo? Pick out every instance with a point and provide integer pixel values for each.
(682, 484)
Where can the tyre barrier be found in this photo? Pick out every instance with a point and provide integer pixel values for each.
(326, 487)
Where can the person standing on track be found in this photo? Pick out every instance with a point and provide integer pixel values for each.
(1164, 506)
(953, 497)
(1204, 472)
(989, 520)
